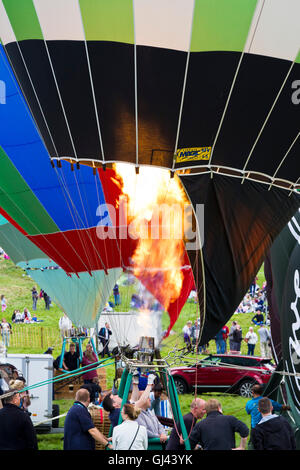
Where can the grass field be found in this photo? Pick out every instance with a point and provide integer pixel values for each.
(16, 286)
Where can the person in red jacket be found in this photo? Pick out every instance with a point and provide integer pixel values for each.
(89, 358)
(225, 331)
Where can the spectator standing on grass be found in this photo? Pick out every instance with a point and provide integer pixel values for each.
(104, 337)
(47, 301)
(252, 287)
(252, 405)
(237, 337)
(230, 336)
(3, 303)
(35, 296)
(5, 332)
(273, 432)
(217, 431)
(80, 432)
(251, 340)
(187, 332)
(195, 330)
(265, 338)
(253, 410)
(219, 341)
(225, 331)
(16, 428)
(130, 435)
(197, 411)
(116, 294)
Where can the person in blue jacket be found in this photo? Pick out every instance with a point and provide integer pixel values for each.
(252, 406)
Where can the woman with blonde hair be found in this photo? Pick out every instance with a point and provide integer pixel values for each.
(18, 384)
(130, 435)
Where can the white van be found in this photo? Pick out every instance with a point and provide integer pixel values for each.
(37, 369)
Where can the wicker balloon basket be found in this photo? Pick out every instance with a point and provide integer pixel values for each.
(102, 423)
(68, 387)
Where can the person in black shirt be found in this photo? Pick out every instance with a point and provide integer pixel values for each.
(71, 358)
(273, 432)
(258, 317)
(237, 337)
(217, 431)
(16, 428)
(190, 419)
(94, 390)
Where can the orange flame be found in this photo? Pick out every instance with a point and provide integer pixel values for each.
(155, 216)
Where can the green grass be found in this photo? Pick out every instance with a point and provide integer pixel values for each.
(16, 286)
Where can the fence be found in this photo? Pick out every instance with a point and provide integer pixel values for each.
(35, 336)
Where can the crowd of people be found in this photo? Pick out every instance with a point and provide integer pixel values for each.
(135, 423)
(22, 316)
(16, 428)
(17, 317)
(251, 338)
(229, 340)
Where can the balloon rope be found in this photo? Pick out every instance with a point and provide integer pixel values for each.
(64, 376)
(234, 81)
(268, 116)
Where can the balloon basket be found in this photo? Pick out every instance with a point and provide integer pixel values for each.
(102, 423)
(160, 367)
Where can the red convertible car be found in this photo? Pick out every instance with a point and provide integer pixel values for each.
(223, 373)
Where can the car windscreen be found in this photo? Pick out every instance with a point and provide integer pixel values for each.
(210, 361)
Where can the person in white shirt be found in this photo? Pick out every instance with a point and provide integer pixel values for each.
(64, 325)
(187, 332)
(3, 303)
(251, 340)
(130, 435)
(18, 317)
(5, 332)
(26, 316)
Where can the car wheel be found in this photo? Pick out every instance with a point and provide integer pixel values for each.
(180, 385)
(245, 388)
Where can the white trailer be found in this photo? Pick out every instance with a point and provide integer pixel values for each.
(36, 369)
